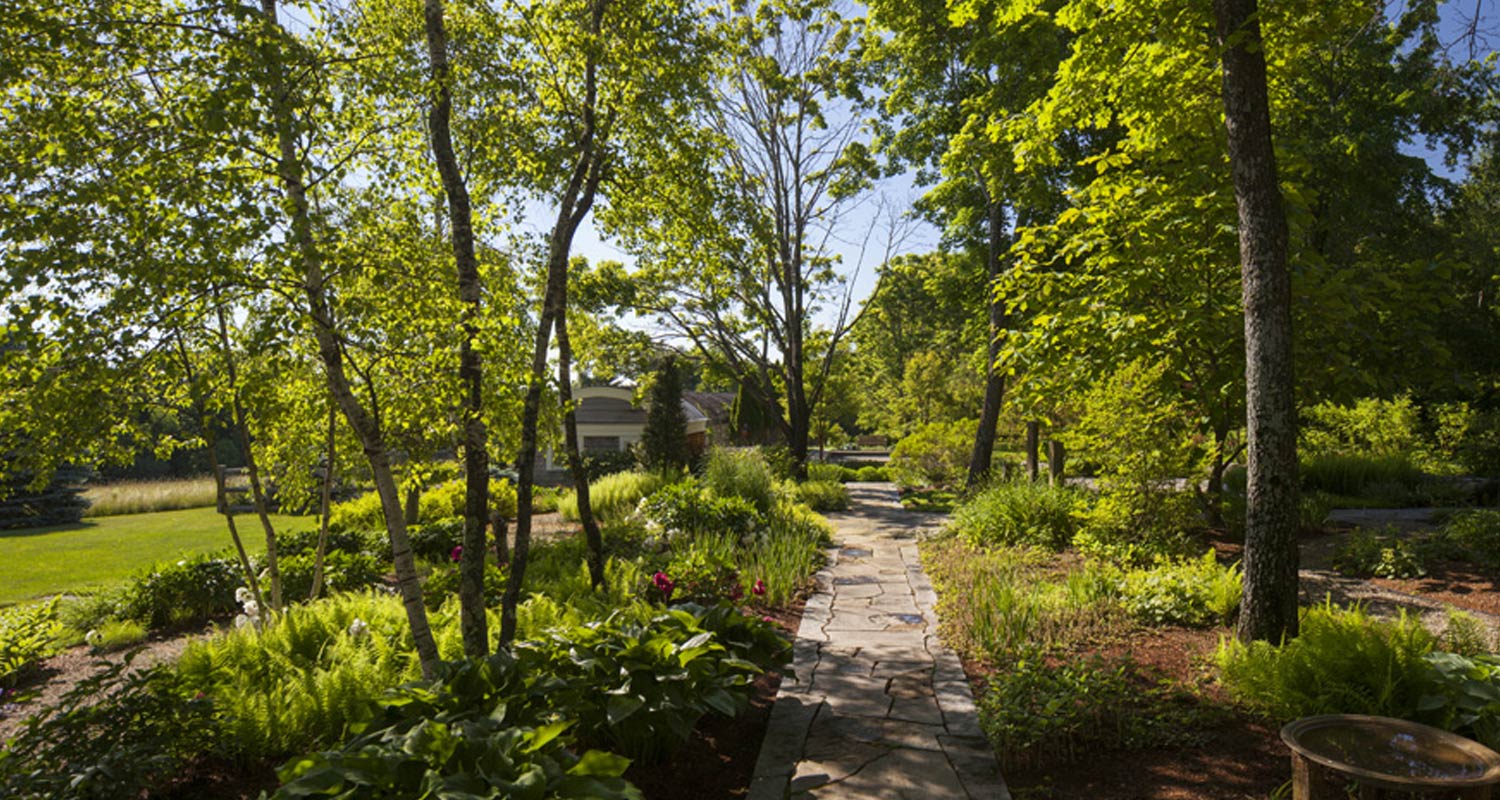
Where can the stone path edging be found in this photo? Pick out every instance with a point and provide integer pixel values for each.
(877, 707)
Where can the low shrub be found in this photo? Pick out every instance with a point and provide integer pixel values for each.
(934, 455)
(1390, 478)
(305, 542)
(1195, 593)
(442, 501)
(544, 499)
(1379, 554)
(872, 474)
(613, 497)
(191, 591)
(28, 634)
(117, 733)
(1342, 662)
(742, 473)
(434, 541)
(342, 572)
(639, 688)
(457, 733)
(823, 495)
(1474, 535)
(689, 510)
(1019, 512)
(703, 572)
(836, 473)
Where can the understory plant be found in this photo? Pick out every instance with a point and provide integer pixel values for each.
(1193, 592)
(1380, 554)
(28, 634)
(1019, 512)
(823, 495)
(614, 497)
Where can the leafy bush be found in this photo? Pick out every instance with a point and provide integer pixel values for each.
(544, 499)
(823, 495)
(455, 736)
(342, 572)
(1194, 593)
(1342, 662)
(1462, 694)
(434, 541)
(1370, 427)
(836, 473)
(1389, 478)
(1019, 512)
(443, 501)
(305, 542)
(1383, 554)
(688, 510)
(28, 634)
(613, 497)
(115, 734)
(936, 454)
(654, 680)
(1474, 535)
(191, 591)
(1134, 424)
(701, 573)
(600, 463)
(1470, 436)
(873, 474)
(742, 473)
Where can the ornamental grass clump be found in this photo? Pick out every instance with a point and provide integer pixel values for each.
(1019, 512)
(614, 497)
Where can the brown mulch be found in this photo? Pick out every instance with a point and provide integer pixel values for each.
(1234, 757)
(1457, 583)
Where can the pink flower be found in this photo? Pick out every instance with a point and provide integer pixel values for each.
(759, 589)
(767, 619)
(457, 553)
(664, 584)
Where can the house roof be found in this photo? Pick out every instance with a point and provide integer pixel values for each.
(711, 406)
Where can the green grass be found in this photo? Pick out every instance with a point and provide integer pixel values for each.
(104, 551)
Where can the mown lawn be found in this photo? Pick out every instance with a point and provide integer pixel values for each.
(99, 552)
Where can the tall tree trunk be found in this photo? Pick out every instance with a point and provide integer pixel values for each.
(994, 380)
(470, 372)
(325, 506)
(412, 511)
(1033, 448)
(330, 349)
(242, 430)
(573, 207)
(1269, 609)
(591, 533)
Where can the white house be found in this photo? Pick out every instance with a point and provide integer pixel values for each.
(610, 421)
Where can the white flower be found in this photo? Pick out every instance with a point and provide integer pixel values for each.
(182, 563)
(93, 637)
(252, 609)
(358, 629)
(241, 621)
(242, 595)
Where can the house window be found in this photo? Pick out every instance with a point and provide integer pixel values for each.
(601, 444)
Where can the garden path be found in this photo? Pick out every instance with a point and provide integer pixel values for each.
(878, 707)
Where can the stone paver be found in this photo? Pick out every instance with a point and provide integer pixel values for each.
(877, 707)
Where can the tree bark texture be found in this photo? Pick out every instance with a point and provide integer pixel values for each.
(470, 371)
(1269, 608)
(325, 507)
(994, 381)
(1033, 451)
(574, 204)
(330, 350)
(591, 532)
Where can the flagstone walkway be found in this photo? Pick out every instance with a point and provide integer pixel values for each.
(878, 707)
